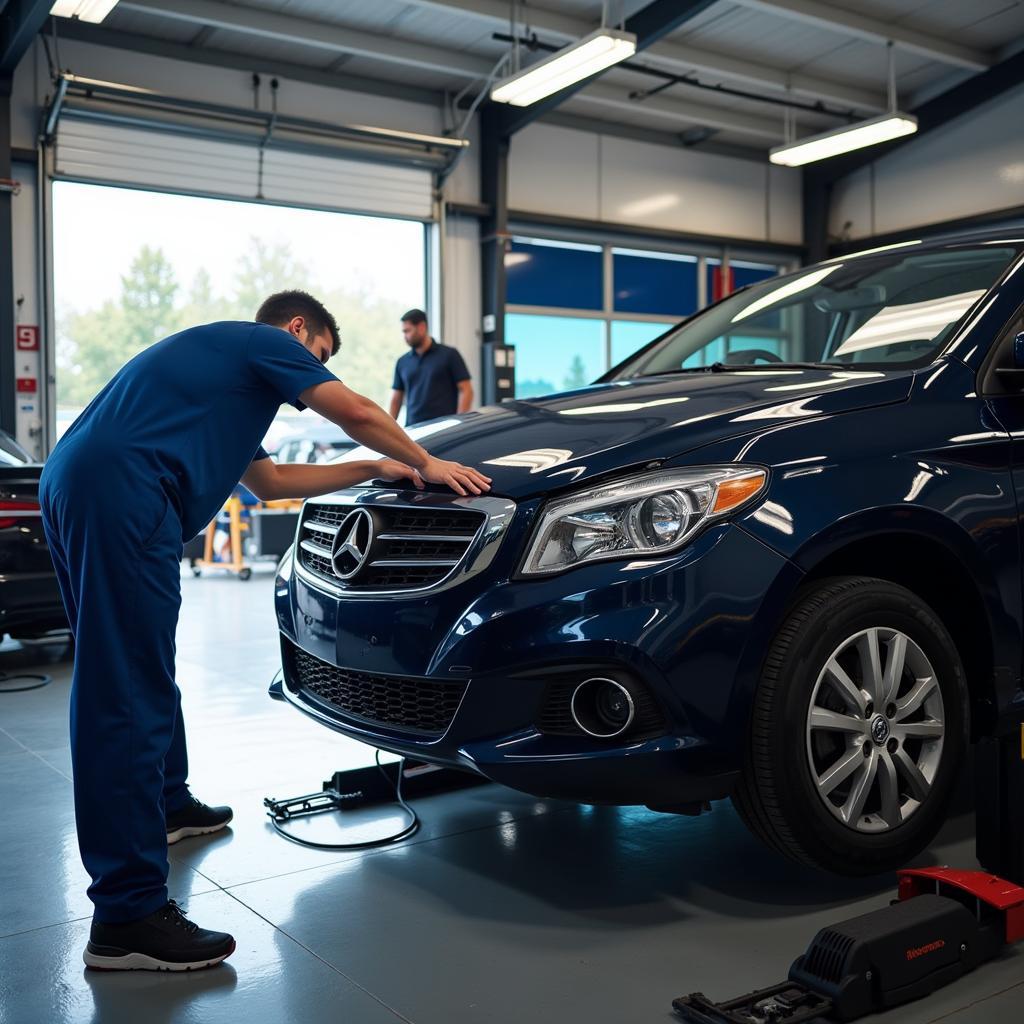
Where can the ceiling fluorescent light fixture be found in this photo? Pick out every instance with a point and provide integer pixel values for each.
(84, 10)
(843, 140)
(591, 54)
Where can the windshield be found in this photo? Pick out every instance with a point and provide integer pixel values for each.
(880, 311)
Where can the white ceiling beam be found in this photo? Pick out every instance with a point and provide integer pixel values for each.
(873, 30)
(670, 56)
(331, 38)
(679, 114)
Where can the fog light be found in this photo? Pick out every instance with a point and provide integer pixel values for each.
(602, 708)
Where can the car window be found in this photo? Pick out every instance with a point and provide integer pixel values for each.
(896, 308)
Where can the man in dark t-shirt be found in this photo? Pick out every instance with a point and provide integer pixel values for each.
(431, 378)
(146, 466)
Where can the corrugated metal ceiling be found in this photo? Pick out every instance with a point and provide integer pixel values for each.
(739, 44)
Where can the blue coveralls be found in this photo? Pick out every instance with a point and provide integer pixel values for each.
(146, 465)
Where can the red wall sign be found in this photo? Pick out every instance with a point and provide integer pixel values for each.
(27, 385)
(27, 338)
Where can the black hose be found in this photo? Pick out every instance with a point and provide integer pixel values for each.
(411, 829)
(39, 681)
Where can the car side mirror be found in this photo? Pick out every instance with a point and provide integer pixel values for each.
(1012, 377)
(1018, 351)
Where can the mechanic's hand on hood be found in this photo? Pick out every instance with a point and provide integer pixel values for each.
(392, 469)
(461, 479)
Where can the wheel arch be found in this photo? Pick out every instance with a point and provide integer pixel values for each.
(923, 554)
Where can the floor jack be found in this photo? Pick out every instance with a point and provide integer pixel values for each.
(943, 923)
(362, 787)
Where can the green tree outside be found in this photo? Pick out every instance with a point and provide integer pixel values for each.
(577, 375)
(535, 388)
(149, 294)
(93, 344)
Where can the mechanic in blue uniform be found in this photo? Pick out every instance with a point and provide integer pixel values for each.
(431, 378)
(147, 465)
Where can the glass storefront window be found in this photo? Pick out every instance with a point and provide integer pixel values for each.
(630, 335)
(558, 351)
(654, 283)
(560, 275)
(742, 274)
(554, 353)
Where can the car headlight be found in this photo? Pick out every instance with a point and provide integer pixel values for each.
(637, 517)
(284, 567)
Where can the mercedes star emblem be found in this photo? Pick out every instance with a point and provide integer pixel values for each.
(352, 543)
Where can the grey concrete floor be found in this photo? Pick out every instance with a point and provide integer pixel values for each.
(503, 909)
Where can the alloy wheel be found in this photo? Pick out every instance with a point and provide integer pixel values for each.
(875, 730)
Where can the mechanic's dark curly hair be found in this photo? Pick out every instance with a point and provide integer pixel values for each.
(281, 307)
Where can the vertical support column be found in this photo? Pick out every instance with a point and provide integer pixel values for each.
(8, 399)
(47, 319)
(817, 194)
(608, 302)
(493, 238)
(437, 241)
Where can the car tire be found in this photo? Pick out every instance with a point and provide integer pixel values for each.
(794, 803)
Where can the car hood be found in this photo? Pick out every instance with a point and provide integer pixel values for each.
(533, 447)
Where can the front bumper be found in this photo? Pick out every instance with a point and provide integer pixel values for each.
(690, 629)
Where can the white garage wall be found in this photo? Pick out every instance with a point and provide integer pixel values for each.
(573, 173)
(461, 303)
(974, 165)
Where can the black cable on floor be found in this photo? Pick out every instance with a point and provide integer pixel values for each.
(39, 681)
(411, 829)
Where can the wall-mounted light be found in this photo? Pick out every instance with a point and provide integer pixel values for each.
(84, 10)
(591, 54)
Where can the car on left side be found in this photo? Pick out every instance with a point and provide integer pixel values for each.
(317, 442)
(30, 604)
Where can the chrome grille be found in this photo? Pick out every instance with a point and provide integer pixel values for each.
(404, 703)
(318, 563)
(412, 547)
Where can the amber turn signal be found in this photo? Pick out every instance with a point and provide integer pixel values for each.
(733, 493)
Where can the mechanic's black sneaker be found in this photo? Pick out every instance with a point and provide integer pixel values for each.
(165, 941)
(196, 819)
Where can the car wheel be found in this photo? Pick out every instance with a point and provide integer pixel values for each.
(858, 731)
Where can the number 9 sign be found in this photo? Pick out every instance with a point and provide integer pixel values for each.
(27, 338)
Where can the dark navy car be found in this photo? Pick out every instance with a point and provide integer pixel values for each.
(30, 604)
(775, 555)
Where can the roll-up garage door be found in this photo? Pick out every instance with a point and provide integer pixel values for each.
(114, 154)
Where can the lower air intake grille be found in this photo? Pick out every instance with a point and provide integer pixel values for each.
(405, 703)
